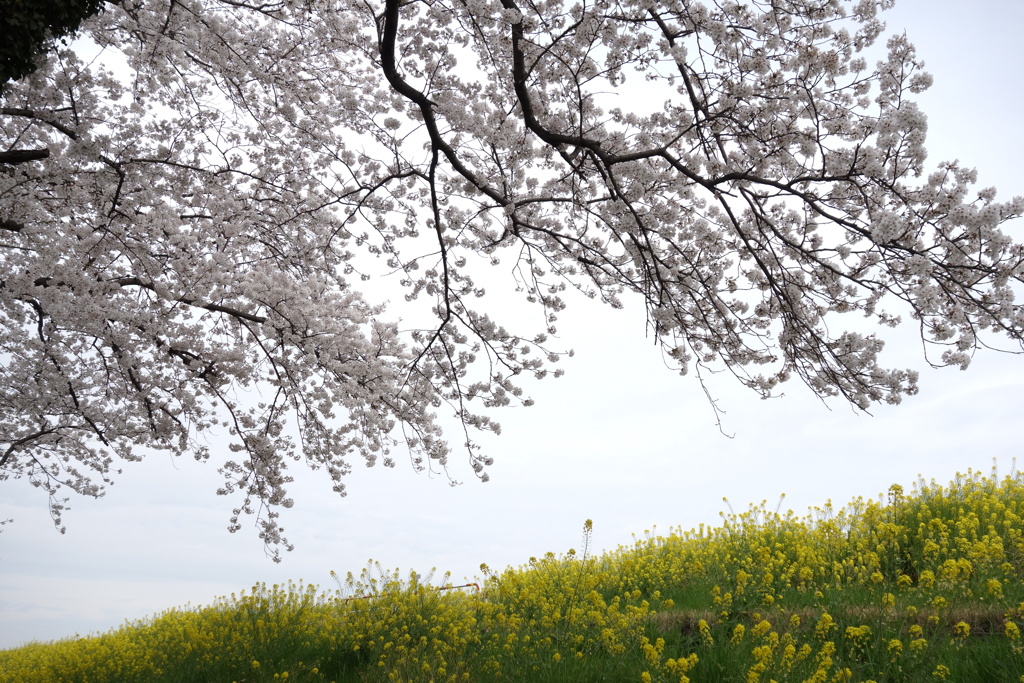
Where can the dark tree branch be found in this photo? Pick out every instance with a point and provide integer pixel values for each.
(14, 157)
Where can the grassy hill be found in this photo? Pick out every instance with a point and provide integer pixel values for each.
(919, 586)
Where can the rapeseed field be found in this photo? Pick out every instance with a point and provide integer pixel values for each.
(923, 585)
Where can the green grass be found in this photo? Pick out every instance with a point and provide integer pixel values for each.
(924, 586)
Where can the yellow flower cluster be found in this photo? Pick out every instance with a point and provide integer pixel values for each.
(888, 590)
(876, 591)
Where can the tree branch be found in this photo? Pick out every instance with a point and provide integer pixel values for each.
(13, 157)
(38, 116)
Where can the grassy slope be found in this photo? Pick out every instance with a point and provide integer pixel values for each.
(919, 586)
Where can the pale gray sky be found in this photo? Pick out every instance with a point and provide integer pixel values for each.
(620, 439)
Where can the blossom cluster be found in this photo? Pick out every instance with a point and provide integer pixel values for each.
(188, 236)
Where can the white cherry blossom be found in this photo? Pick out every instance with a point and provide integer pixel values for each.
(189, 237)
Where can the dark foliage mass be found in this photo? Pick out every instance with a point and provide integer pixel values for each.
(29, 26)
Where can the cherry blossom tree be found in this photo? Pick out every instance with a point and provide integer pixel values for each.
(199, 197)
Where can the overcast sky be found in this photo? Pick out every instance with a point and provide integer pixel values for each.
(620, 439)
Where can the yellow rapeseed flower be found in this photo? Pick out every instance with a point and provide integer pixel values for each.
(762, 627)
(961, 630)
(705, 632)
(825, 625)
(1012, 630)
